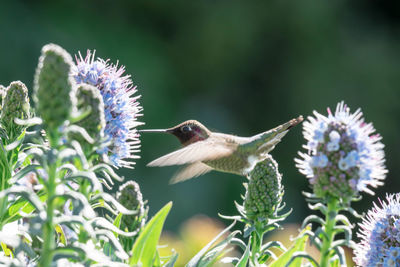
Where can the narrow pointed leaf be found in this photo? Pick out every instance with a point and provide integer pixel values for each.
(217, 251)
(171, 261)
(298, 246)
(144, 249)
(117, 222)
(197, 258)
(245, 257)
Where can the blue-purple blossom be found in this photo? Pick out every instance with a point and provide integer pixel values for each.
(380, 235)
(344, 155)
(333, 144)
(319, 161)
(121, 108)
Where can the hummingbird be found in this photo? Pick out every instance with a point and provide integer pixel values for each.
(204, 150)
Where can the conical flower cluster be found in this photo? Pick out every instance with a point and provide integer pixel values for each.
(129, 196)
(3, 91)
(15, 105)
(89, 98)
(54, 88)
(344, 154)
(380, 235)
(121, 109)
(264, 190)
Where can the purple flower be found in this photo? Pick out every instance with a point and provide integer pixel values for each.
(319, 161)
(121, 108)
(379, 233)
(341, 145)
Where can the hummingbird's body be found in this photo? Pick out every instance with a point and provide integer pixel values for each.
(204, 150)
(241, 160)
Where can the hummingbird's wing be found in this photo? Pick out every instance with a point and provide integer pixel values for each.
(190, 171)
(200, 151)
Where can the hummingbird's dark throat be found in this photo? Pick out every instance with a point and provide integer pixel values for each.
(187, 138)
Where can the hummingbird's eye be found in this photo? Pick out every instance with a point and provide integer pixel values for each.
(186, 129)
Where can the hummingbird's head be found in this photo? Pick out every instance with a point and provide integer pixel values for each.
(189, 132)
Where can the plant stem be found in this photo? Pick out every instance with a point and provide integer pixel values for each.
(5, 175)
(48, 227)
(256, 243)
(330, 222)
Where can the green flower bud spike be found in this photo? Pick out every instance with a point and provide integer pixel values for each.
(129, 195)
(15, 105)
(2, 95)
(89, 97)
(90, 102)
(261, 205)
(54, 88)
(264, 190)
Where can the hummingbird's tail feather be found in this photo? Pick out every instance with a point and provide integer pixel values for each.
(293, 122)
(270, 144)
(266, 141)
(190, 171)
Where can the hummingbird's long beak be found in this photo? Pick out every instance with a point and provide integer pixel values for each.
(155, 130)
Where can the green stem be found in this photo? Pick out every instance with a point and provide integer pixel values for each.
(48, 227)
(6, 173)
(256, 243)
(330, 222)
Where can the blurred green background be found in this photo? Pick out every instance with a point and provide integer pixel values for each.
(239, 67)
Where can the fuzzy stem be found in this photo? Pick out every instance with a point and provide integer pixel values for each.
(256, 243)
(330, 222)
(6, 173)
(48, 227)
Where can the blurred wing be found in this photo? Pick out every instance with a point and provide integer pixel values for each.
(199, 151)
(190, 171)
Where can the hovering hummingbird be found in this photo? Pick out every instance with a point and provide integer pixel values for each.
(204, 151)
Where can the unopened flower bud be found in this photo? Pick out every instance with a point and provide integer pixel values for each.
(264, 190)
(89, 98)
(129, 196)
(2, 94)
(54, 89)
(15, 105)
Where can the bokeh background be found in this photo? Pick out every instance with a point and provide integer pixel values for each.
(239, 67)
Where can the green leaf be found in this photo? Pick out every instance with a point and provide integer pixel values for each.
(61, 235)
(245, 257)
(217, 251)
(24, 192)
(144, 249)
(8, 252)
(198, 260)
(157, 260)
(335, 263)
(171, 261)
(23, 172)
(109, 250)
(117, 222)
(22, 205)
(299, 245)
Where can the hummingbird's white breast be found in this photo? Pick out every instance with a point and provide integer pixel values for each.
(252, 161)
